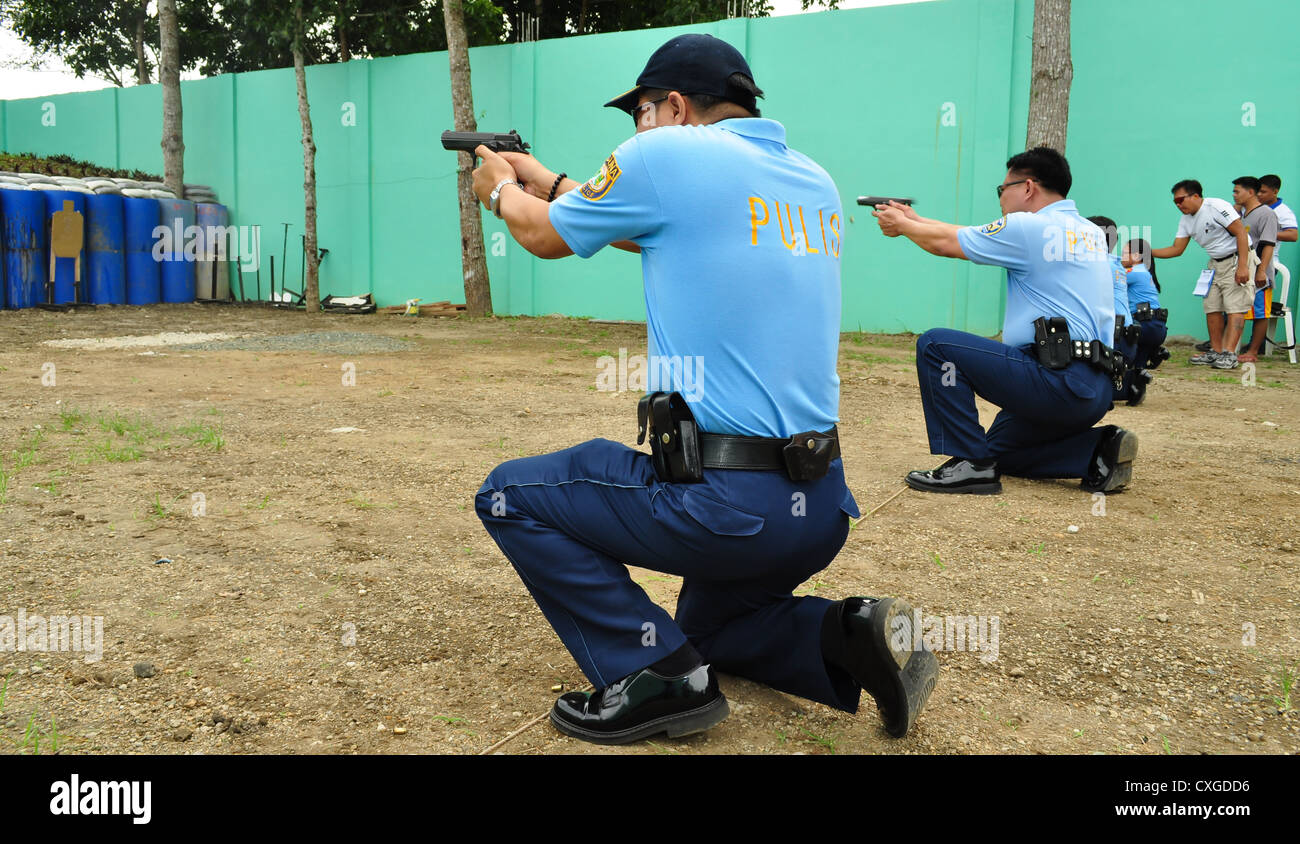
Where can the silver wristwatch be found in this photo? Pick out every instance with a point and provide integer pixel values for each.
(494, 198)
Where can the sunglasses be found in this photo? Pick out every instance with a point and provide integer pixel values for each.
(1001, 188)
(1178, 200)
(637, 111)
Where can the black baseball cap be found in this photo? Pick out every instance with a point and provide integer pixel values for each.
(691, 64)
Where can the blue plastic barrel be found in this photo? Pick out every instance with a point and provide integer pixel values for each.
(217, 249)
(22, 219)
(178, 270)
(105, 249)
(141, 216)
(65, 269)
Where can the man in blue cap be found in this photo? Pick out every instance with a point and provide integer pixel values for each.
(743, 495)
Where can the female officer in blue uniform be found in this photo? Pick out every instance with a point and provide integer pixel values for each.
(1147, 315)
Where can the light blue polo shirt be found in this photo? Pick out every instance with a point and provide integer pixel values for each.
(1057, 265)
(740, 242)
(1120, 286)
(1142, 288)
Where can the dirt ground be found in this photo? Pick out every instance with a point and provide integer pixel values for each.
(335, 593)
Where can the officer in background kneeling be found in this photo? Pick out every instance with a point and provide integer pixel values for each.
(1150, 319)
(1052, 375)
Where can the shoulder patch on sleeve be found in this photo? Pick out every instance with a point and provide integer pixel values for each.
(993, 227)
(600, 183)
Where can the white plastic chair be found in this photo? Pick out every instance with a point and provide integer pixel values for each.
(1282, 312)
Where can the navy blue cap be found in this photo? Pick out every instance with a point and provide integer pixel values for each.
(691, 64)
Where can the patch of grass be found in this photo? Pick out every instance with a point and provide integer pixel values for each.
(827, 742)
(1038, 549)
(385, 393)
(108, 453)
(450, 719)
(1286, 678)
(71, 418)
(360, 503)
(1223, 379)
(203, 434)
(1164, 742)
(865, 357)
(118, 424)
(259, 505)
(26, 453)
(934, 558)
(4, 483)
(158, 510)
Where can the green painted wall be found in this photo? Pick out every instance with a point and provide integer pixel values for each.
(926, 100)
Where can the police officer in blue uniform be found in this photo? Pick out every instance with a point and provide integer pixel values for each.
(1052, 374)
(743, 495)
(1126, 333)
(1150, 319)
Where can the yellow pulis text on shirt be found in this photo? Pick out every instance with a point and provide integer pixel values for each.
(793, 222)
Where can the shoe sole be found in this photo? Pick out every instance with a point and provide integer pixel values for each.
(678, 725)
(994, 488)
(917, 668)
(1122, 472)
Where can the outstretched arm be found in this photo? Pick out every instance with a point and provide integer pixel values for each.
(525, 214)
(1174, 251)
(933, 236)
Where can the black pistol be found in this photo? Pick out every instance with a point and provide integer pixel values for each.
(873, 201)
(495, 141)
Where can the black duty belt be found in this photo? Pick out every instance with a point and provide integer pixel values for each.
(681, 451)
(1146, 313)
(1056, 350)
(727, 451)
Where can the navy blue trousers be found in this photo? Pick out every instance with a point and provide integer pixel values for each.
(1153, 336)
(1044, 429)
(1130, 352)
(571, 522)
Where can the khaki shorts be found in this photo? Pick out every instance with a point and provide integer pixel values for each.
(1226, 295)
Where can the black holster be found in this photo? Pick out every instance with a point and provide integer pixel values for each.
(674, 437)
(1052, 342)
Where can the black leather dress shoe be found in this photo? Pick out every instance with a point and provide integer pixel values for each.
(1137, 391)
(641, 705)
(1112, 464)
(959, 475)
(874, 640)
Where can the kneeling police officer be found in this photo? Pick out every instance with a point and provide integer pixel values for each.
(744, 494)
(1053, 374)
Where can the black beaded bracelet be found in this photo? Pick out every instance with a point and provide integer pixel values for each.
(556, 186)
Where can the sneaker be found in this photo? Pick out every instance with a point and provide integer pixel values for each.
(1225, 360)
(1204, 347)
(1204, 359)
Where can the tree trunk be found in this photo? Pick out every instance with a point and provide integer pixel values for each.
(341, 32)
(173, 144)
(1052, 72)
(473, 258)
(141, 63)
(312, 291)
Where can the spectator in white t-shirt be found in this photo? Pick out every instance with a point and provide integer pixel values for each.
(1215, 225)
